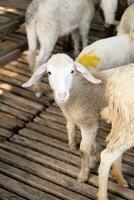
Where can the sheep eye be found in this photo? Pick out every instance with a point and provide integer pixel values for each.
(49, 73)
(72, 71)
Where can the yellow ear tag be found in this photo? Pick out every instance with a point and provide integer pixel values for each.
(89, 60)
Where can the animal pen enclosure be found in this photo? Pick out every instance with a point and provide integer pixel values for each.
(35, 161)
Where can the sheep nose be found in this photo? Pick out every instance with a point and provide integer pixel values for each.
(62, 95)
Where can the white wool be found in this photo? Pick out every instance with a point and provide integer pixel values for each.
(126, 24)
(109, 8)
(48, 20)
(120, 112)
(112, 52)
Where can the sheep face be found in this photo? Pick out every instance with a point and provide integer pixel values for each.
(60, 74)
(61, 69)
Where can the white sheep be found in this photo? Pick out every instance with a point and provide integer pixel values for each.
(126, 24)
(120, 113)
(108, 53)
(109, 9)
(80, 101)
(47, 20)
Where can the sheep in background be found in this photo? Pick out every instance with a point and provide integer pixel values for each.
(79, 99)
(108, 53)
(126, 24)
(48, 20)
(112, 12)
(120, 112)
(109, 9)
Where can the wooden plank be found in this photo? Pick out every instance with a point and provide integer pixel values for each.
(47, 174)
(9, 57)
(9, 122)
(7, 46)
(39, 183)
(19, 67)
(7, 85)
(17, 79)
(54, 110)
(54, 125)
(23, 190)
(6, 28)
(41, 148)
(6, 195)
(18, 105)
(44, 139)
(15, 3)
(23, 100)
(16, 113)
(54, 176)
(59, 135)
(53, 117)
(5, 134)
(66, 157)
(9, 24)
(22, 69)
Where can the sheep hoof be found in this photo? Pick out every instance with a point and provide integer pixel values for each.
(101, 197)
(123, 183)
(81, 178)
(73, 146)
(38, 94)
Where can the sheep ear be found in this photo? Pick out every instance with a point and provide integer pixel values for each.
(36, 76)
(86, 74)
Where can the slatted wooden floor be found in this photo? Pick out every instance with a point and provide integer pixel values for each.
(35, 161)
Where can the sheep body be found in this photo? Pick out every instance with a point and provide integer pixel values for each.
(82, 109)
(78, 109)
(120, 112)
(126, 24)
(108, 53)
(110, 8)
(82, 105)
(47, 20)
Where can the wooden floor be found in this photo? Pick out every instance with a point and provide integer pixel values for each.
(35, 161)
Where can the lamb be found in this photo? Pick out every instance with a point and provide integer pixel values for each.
(47, 20)
(126, 24)
(120, 112)
(80, 101)
(108, 53)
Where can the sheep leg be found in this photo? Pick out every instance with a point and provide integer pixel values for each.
(117, 172)
(107, 159)
(93, 156)
(84, 30)
(42, 58)
(84, 35)
(71, 135)
(47, 41)
(88, 138)
(76, 40)
(32, 45)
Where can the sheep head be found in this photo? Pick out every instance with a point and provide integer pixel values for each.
(61, 69)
